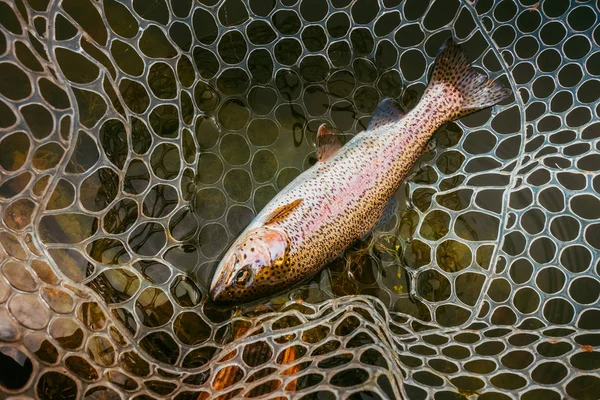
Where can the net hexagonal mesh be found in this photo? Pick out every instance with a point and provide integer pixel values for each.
(139, 137)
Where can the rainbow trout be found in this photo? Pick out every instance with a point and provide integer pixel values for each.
(343, 196)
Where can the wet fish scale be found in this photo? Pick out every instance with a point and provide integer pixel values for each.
(343, 196)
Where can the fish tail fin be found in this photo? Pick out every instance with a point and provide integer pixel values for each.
(466, 89)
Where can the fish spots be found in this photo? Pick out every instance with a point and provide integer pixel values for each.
(343, 198)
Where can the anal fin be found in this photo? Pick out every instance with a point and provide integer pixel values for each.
(388, 212)
(431, 145)
(328, 143)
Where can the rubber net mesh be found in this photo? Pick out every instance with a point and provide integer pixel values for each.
(139, 137)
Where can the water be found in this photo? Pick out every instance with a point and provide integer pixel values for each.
(139, 138)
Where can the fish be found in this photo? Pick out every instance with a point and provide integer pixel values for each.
(342, 197)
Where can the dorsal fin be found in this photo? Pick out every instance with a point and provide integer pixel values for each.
(282, 212)
(386, 112)
(328, 143)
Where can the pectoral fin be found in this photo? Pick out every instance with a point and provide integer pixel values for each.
(282, 212)
(387, 112)
(328, 143)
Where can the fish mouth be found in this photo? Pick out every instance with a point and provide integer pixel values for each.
(218, 293)
(215, 291)
(220, 277)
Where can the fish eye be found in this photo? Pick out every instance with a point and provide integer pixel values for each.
(242, 277)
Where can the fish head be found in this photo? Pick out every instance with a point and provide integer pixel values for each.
(253, 266)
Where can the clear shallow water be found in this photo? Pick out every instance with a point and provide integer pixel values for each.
(138, 140)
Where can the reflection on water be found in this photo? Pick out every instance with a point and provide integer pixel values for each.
(137, 139)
